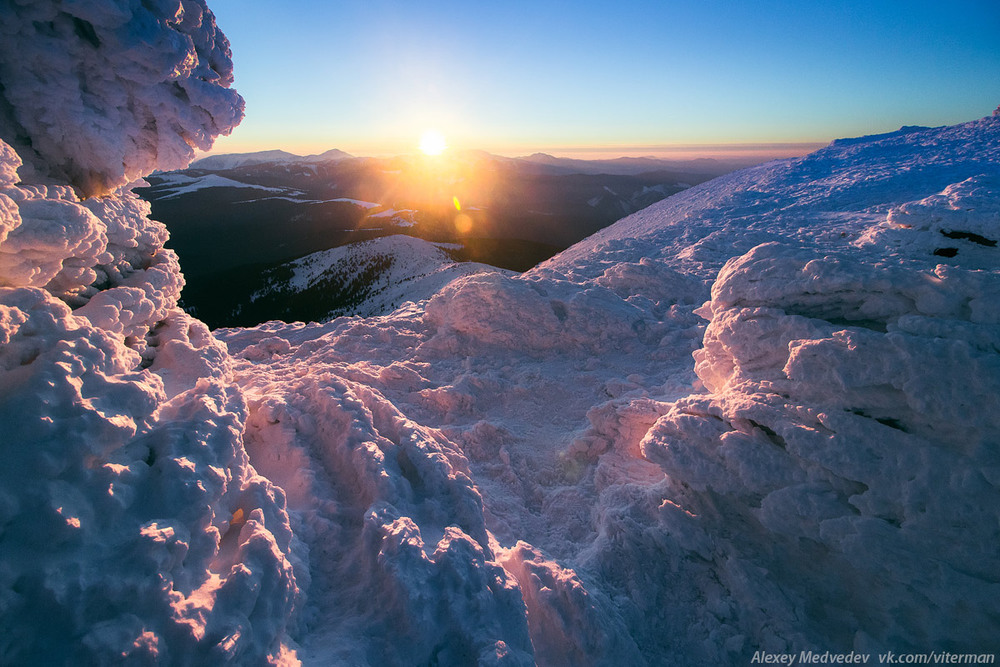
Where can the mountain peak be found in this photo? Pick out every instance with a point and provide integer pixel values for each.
(329, 156)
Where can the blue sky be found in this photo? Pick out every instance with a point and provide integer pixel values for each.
(369, 76)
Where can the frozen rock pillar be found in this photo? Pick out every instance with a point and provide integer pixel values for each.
(132, 527)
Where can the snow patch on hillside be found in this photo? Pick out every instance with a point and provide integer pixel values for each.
(382, 274)
(401, 217)
(179, 184)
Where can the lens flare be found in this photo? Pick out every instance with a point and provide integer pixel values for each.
(463, 224)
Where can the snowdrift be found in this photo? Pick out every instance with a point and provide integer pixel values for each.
(760, 415)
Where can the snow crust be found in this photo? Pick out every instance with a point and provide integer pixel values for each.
(759, 415)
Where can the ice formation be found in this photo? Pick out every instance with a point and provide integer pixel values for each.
(759, 415)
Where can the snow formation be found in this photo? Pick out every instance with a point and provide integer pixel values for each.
(98, 94)
(822, 475)
(759, 415)
(132, 527)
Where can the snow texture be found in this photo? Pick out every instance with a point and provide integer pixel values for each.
(759, 415)
(99, 94)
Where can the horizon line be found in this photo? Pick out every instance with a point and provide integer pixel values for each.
(656, 151)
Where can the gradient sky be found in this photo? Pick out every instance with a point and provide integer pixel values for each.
(513, 77)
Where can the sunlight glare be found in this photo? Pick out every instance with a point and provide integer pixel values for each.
(432, 143)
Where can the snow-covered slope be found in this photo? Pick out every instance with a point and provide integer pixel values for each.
(821, 475)
(761, 415)
(176, 185)
(822, 199)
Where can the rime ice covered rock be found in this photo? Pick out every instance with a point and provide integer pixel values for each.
(130, 521)
(99, 94)
(103, 254)
(837, 485)
(853, 422)
(51, 241)
(957, 226)
(132, 527)
(131, 524)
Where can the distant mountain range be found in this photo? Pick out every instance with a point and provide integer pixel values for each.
(621, 166)
(234, 160)
(271, 209)
(630, 166)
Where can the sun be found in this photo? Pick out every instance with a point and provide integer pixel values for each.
(432, 143)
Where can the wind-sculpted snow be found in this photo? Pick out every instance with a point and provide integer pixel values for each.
(418, 448)
(98, 94)
(852, 433)
(132, 527)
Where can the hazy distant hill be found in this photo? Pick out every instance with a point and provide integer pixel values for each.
(629, 166)
(272, 207)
